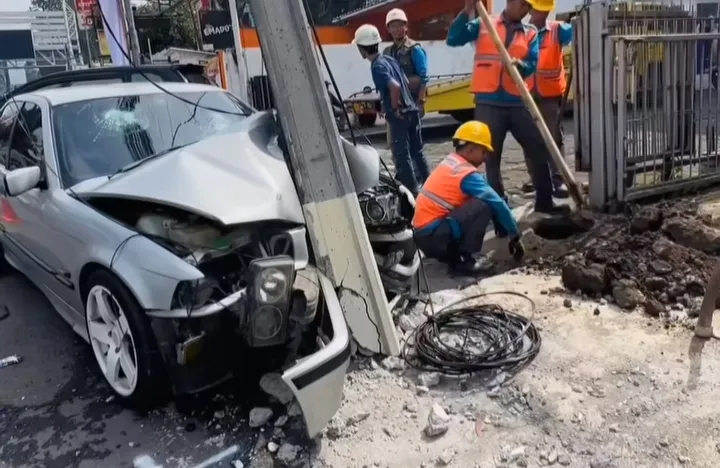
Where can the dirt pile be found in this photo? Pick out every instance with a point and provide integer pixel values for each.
(658, 257)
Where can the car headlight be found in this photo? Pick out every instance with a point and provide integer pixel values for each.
(268, 305)
(271, 285)
(192, 294)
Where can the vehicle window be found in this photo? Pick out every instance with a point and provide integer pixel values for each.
(90, 82)
(98, 137)
(137, 77)
(7, 119)
(26, 146)
(197, 78)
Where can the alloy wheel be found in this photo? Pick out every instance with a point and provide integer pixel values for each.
(112, 340)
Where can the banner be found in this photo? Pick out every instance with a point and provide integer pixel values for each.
(216, 28)
(84, 10)
(114, 22)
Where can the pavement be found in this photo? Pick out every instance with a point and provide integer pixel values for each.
(56, 412)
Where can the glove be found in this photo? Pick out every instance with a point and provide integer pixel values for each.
(517, 249)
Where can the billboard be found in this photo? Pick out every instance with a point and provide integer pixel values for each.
(84, 10)
(18, 44)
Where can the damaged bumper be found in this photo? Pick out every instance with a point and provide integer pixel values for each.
(195, 346)
(317, 380)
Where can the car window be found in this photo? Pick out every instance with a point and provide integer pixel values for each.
(7, 119)
(139, 78)
(98, 137)
(26, 145)
(90, 82)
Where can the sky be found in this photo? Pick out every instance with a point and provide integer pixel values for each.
(16, 5)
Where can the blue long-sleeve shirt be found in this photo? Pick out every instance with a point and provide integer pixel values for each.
(420, 61)
(386, 70)
(476, 185)
(463, 31)
(565, 34)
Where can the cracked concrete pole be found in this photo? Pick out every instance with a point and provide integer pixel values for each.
(337, 232)
(704, 327)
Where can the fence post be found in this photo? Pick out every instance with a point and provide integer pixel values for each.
(598, 195)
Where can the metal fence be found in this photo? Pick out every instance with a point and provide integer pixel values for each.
(647, 105)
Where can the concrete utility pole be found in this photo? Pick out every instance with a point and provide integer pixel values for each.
(133, 41)
(337, 232)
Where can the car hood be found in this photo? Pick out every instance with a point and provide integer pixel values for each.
(232, 178)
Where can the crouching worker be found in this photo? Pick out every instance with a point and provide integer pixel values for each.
(456, 205)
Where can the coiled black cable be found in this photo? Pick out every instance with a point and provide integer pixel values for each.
(492, 338)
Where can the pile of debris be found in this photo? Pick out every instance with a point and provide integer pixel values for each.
(658, 257)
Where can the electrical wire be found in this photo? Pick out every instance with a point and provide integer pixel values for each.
(493, 338)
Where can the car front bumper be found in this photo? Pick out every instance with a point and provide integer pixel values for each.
(317, 380)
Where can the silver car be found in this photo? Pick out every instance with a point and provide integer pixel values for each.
(165, 228)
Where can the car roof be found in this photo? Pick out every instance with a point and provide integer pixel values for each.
(58, 96)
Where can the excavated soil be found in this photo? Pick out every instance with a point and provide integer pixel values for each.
(658, 257)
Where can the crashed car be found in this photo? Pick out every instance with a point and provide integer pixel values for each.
(166, 229)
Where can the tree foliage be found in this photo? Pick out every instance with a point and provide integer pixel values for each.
(182, 31)
(46, 5)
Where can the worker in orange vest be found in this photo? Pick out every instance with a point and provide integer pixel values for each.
(549, 83)
(456, 204)
(498, 100)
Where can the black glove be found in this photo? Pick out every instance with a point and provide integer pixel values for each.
(517, 249)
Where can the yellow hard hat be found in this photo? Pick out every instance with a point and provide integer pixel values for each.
(475, 132)
(545, 6)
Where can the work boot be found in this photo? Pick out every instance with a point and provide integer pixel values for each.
(561, 191)
(466, 265)
(553, 209)
(528, 187)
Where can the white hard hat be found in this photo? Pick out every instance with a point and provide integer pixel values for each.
(367, 35)
(396, 14)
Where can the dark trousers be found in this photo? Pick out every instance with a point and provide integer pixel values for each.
(411, 167)
(552, 115)
(518, 121)
(462, 232)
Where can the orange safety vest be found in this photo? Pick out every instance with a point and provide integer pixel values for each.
(489, 74)
(549, 79)
(441, 192)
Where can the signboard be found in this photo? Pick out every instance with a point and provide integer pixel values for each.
(22, 44)
(216, 28)
(84, 10)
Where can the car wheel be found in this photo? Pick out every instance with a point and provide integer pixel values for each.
(5, 267)
(122, 341)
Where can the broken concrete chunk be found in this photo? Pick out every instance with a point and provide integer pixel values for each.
(692, 233)
(287, 453)
(273, 385)
(393, 363)
(653, 307)
(446, 457)
(294, 409)
(661, 267)
(429, 379)
(259, 416)
(357, 418)
(438, 421)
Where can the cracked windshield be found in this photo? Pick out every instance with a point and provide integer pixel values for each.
(102, 136)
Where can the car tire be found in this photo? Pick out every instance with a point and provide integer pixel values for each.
(122, 342)
(5, 267)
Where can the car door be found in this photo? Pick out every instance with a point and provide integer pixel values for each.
(35, 234)
(8, 219)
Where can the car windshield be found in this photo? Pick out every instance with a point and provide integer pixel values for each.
(101, 136)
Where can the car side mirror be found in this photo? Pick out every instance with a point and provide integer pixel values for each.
(22, 180)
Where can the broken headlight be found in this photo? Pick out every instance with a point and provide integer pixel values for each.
(193, 294)
(268, 300)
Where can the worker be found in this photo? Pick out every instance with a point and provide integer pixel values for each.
(409, 54)
(498, 100)
(549, 82)
(456, 205)
(399, 107)
(704, 326)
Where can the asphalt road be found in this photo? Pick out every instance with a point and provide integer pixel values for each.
(55, 411)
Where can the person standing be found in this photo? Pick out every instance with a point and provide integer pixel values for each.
(549, 82)
(456, 205)
(399, 108)
(409, 54)
(497, 97)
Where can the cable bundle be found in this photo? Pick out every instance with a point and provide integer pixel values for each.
(491, 338)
